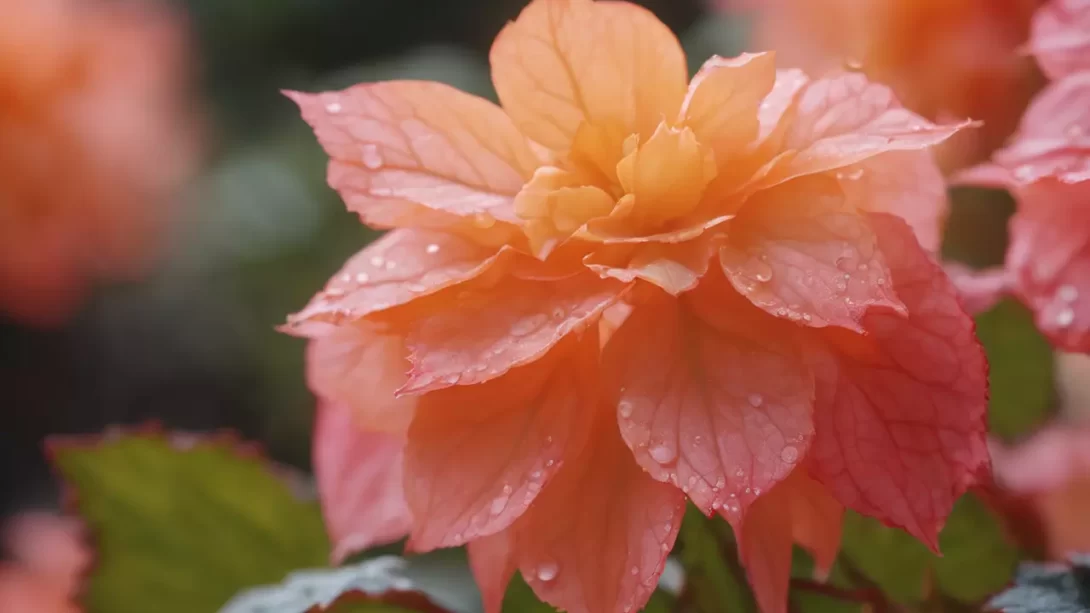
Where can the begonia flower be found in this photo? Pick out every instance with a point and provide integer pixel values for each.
(1046, 167)
(943, 58)
(94, 139)
(46, 559)
(619, 290)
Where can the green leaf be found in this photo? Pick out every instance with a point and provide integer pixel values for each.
(1021, 366)
(977, 558)
(182, 523)
(440, 581)
(713, 577)
(1048, 588)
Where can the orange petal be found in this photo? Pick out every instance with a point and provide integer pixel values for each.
(565, 62)
(900, 412)
(493, 563)
(478, 332)
(421, 146)
(478, 455)
(764, 548)
(556, 203)
(359, 366)
(359, 478)
(907, 184)
(842, 120)
(802, 252)
(675, 268)
(816, 520)
(605, 555)
(400, 267)
(723, 99)
(666, 175)
(713, 395)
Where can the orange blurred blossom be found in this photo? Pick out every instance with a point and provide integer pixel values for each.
(92, 141)
(621, 290)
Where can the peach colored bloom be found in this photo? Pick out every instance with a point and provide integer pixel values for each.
(1046, 167)
(943, 58)
(48, 559)
(620, 290)
(92, 141)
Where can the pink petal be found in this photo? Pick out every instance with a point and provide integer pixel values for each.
(1060, 112)
(606, 555)
(479, 455)
(676, 268)
(402, 151)
(492, 560)
(713, 395)
(1049, 256)
(400, 267)
(845, 119)
(722, 104)
(802, 252)
(485, 330)
(359, 482)
(979, 290)
(900, 415)
(1060, 37)
(359, 367)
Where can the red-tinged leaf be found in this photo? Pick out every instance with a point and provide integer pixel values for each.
(722, 104)
(401, 151)
(360, 367)
(907, 184)
(676, 268)
(1060, 37)
(400, 267)
(764, 548)
(477, 332)
(1049, 256)
(493, 563)
(979, 290)
(844, 119)
(801, 251)
(359, 478)
(607, 555)
(713, 395)
(478, 455)
(565, 62)
(900, 414)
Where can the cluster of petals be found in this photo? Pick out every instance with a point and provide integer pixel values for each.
(94, 137)
(44, 561)
(943, 58)
(622, 289)
(1050, 473)
(1046, 167)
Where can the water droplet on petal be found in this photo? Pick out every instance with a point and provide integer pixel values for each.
(371, 157)
(635, 570)
(1074, 131)
(756, 400)
(761, 271)
(416, 287)
(789, 454)
(333, 107)
(547, 571)
(345, 278)
(362, 278)
(377, 261)
(507, 490)
(662, 453)
(390, 264)
(548, 440)
(432, 249)
(1065, 317)
(1067, 293)
(625, 409)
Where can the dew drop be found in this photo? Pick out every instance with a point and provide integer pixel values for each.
(417, 288)
(371, 157)
(549, 463)
(537, 474)
(362, 277)
(756, 400)
(1067, 293)
(789, 454)
(547, 571)
(635, 570)
(662, 453)
(333, 107)
(345, 278)
(432, 249)
(498, 505)
(720, 482)
(507, 490)
(1065, 317)
(1023, 173)
(484, 220)
(527, 325)
(390, 264)
(377, 261)
(334, 292)
(716, 504)
(852, 64)
(698, 439)
(1074, 131)
(761, 271)
(548, 440)
(625, 409)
